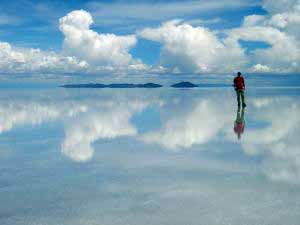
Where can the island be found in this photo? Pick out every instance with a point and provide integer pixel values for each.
(184, 85)
(119, 85)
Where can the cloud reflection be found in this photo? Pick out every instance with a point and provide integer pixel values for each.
(278, 140)
(100, 122)
(186, 120)
(196, 123)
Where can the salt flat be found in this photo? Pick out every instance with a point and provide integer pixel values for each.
(165, 156)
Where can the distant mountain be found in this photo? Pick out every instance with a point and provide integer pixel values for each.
(184, 85)
(120, 85)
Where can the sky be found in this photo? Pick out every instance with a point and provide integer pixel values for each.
(150, 37)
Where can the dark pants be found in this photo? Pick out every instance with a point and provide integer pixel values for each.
(240, 116)
(240, 95)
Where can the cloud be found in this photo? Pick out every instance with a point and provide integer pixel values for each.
(22, 60)
(283, 55)
(186, 47)
(97, 49)
(283, 15)
(199, 50)
(280, 29)
(194, 49)
(117, 12)
(85, 52)
(253, 20)
(279, 6)
(258, 68)
(202, 22)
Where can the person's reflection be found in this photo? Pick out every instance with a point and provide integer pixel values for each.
(239, 123)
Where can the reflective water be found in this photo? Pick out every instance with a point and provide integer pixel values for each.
(165, 156)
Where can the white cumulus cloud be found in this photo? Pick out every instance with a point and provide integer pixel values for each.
(194, 49)
(22, 60)
(186, 48)
(282, 56)
(197, 49)
(258, 68)
(280, 29)
(97, 49)
(85, 51)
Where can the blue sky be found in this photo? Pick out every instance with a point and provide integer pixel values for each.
(28, 24)
(35, 23)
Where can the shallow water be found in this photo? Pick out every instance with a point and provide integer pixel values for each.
(164, 156)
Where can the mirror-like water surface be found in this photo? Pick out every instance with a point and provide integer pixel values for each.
(85, 157)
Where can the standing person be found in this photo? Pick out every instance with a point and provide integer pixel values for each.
(239, 85)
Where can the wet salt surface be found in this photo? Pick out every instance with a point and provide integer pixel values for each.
(149, 157)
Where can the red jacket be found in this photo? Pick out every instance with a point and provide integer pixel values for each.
(239, 83)
(239, 127)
